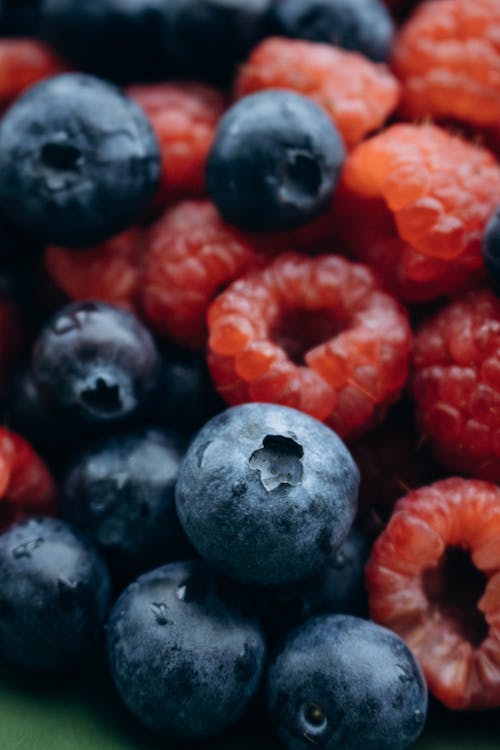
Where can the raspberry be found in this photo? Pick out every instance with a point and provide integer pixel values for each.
(108, 272)
(315, 334)
(357, 94)
(26, 486)
(184, 117)
(456, 384)
(425, 197)
(24, 62)
(192, 255)
(433, 578)
(448, 59)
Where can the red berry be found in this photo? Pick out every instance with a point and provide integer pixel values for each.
(358, 94)
(26, 486)
(24, 62)
(184, 117)
(448, 59)
(316, 334)
(434, 578)
(413, 204)
(192, 255)
(456, 384)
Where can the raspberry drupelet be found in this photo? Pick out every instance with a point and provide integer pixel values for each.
(357, 94)
(434, 578)
(316, 334)
(425, 197)
(456, 384)
(24, 62)
(447, 57)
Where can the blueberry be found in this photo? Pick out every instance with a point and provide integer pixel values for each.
(96, 365)
(119, 39)
(54, 596)
(188, 397)
(491, 250)
(265, 493)
(275, 161)
(184, 656)
(363, 26)
(342, 683)
(79, 161)
(120, 492)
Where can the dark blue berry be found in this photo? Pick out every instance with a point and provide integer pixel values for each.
(275, 161)
(54, 596)
(265, 493)
(79, 161)
(184, 656)
(361, 25)
(491, 250)
(342, 683)
(96, 365)
(120, 39)
(121, 493)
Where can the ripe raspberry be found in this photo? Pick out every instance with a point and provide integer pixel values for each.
(192, 255)
(448, 59)
(184, 117)
(433, 578)
(358, 94)
(108, 272)
(425, 197)
(456, 384)
(316, 334)
(26, 486)
(24, 62)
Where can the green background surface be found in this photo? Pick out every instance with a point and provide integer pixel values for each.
(83, 713)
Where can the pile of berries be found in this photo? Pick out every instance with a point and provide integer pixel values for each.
(250, 359)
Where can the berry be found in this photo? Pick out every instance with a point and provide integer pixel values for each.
(184, 656)
(184, 117)
(191, 256)
(26, 486)
(120, 493)
(109, 272)
(433, 578)
(364, 26)
(456, 384)
(357, 94)
(448, 57)
(342, 682)
(24, 62)
(275, 161)
(491, 250)
(316, 334)
(54, 594)
(425, 197)
(78, 160)
(96, 365)
(265, 493)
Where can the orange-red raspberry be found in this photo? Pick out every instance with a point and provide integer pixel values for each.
(316, 334)
(192, 254)
(456, 384)
(108, 272)
(413, 203)
(24, 62)
(184, 117)
(358, 94)
(448, 59)
(434, 578)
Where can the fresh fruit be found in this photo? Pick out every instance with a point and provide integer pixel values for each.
(316, 334)
(433, 578)
(357, 94)
(185, 657)
(275, 161)
(79, 161)
(54, 594)
(341, 682)
(266, 493)
(24, 62)
(425, 197)
(491, 250)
